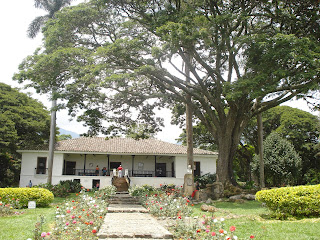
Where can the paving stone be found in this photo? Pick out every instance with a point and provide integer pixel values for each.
(132, 225)
(126, 220)
(126, 208)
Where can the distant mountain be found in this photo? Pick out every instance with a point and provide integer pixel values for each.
(66, 132)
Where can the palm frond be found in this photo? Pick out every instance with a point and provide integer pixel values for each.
(35, 26)
(51, 6)
(42, 4)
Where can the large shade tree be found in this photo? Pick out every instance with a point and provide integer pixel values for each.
(299, 127)
(23, 121)
(110, 57)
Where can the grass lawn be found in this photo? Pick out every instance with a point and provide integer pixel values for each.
(21, 227)
(250, 218)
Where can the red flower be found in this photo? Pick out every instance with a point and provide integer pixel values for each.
(94, 231)
(232, 228)
(198, 230)
(160, 208)
(221, 231)
(251, 236)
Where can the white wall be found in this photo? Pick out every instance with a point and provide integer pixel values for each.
(29, 163)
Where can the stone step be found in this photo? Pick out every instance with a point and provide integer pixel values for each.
(127, 208)
(124, 192)
(124, 202)
(123, 199)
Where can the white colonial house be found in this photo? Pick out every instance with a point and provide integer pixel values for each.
(145, 161)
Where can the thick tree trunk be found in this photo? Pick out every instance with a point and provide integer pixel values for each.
(228, 141)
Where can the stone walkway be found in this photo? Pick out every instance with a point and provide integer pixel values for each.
(131, 221)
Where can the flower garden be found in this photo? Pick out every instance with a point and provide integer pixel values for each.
(80, 215)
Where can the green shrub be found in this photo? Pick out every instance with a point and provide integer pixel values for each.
(205, 179)
(105, 193)
(312, 176)
(43, 197)
(300, 201)
(73, 186)
(63, 189)
(135, 190)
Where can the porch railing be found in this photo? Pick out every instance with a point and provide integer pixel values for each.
(145, 173)
(134, 173)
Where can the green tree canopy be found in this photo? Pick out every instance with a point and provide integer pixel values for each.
(110, 57)
(299, 127)
(23, 121)
(282, 163)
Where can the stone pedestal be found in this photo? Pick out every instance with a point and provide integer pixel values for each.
(121, 184)
(217, 190)
(188, 186)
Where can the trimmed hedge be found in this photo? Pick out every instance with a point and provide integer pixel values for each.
(43, 197)
(300, 201)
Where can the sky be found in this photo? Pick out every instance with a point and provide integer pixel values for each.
(15, 16)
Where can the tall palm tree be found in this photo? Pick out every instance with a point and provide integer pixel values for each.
(51, 6)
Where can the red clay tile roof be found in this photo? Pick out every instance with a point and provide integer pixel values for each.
(123, 146)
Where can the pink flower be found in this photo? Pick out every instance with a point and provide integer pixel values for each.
(68, 211)
(43, 234)
(90, 222)
(73, 216)
(207, 230)
(232, 228)
(213, 234)
(74, 221)
(67, 223)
